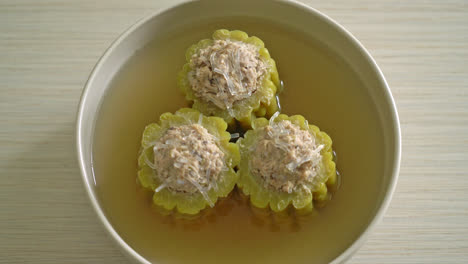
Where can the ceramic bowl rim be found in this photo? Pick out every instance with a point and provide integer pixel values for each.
(135, 256)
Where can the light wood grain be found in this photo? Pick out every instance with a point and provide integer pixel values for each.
(48, 48)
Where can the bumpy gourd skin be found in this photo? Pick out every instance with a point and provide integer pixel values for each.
(279, 201)
(187, 203)
(261, 103)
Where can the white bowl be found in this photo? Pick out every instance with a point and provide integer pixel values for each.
(292, 14)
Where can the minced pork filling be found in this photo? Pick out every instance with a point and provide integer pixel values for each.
(226, 72)
(285, 157)
(187, 159)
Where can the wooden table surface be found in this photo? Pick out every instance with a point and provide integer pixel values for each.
(48, 48)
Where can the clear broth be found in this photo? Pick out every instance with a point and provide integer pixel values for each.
(318, 85)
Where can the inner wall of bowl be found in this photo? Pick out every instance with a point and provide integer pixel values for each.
(296, 20)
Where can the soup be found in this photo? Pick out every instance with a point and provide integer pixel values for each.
(317, 84)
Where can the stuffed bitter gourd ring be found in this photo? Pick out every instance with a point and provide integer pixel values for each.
(187, 160)
(231, 76)
(286, 161)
